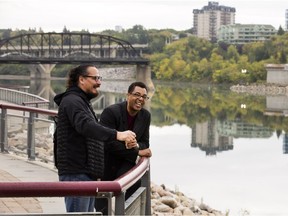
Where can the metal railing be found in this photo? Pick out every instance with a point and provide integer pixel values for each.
(19, 97)
(138, 204)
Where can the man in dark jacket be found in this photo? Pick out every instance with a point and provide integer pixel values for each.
(80, 152)
(127, 115)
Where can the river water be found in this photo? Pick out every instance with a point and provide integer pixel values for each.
(226, 149)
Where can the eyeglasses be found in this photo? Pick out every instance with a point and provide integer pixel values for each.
(138, 96)
(96, 78)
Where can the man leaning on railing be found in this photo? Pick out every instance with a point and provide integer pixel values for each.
(79, 150)
(127, 115)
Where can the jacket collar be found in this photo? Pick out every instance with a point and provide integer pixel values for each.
(138, 120)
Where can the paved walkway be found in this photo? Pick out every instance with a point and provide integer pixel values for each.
(14, 168)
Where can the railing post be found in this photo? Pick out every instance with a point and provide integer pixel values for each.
(4, 131)
(145, 182)
(31, 136)
(23, 103)
(120, 204)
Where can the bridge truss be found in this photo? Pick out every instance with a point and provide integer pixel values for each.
(67, 48)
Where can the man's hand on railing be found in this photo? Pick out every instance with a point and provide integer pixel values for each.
(145, 153)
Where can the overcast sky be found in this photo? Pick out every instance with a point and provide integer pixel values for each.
(98, 15)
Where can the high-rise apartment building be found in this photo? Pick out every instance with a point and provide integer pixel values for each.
(286, 20)
(209, 19)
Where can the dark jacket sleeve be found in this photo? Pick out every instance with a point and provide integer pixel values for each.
(112, 117)
(142, 129)
(83, 121)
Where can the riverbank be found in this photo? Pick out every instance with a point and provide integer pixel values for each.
(261, 89)
(164, 201)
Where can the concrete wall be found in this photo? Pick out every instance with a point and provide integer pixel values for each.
(118, 73)
(125, 76)
(277, 74)
(277, 102)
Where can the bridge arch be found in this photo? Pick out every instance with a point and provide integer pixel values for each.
(54, 48)
(42, 51)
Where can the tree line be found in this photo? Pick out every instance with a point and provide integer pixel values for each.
(181, 56)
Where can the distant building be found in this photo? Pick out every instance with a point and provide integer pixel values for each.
(245, 33)
(118, 29)
(210, 18)
(286, 20)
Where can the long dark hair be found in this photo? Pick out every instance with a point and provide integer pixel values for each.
(74, 73)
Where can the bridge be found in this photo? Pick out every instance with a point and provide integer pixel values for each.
(54, 48)
(44, 50)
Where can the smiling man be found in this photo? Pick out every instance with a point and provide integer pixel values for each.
(79, 154)
(127, 115)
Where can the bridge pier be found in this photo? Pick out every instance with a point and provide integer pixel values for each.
(41, 71)
(143, 73)
(42, 88)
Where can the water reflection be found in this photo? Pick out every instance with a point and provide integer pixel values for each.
(226, 147)
(215, 136)
(285, 144)
(206, 137)
(215, 115)
(276, 105)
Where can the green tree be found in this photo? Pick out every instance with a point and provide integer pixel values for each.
(280, 31)
(283, 57)
(232, 54)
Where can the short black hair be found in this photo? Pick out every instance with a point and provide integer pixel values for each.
(134, 84)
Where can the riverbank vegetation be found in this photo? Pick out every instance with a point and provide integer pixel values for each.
(180, 56)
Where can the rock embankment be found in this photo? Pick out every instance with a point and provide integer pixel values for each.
(267, 89)
(164, 201)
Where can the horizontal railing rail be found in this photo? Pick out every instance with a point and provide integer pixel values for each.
(78, 188)
(84, 188)
(28, 109)
(20, 97)
(15, 87)
(60, 189)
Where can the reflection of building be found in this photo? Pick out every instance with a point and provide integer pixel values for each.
(285, 144)
(206, 137)
(214, 136)
(244, 130)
